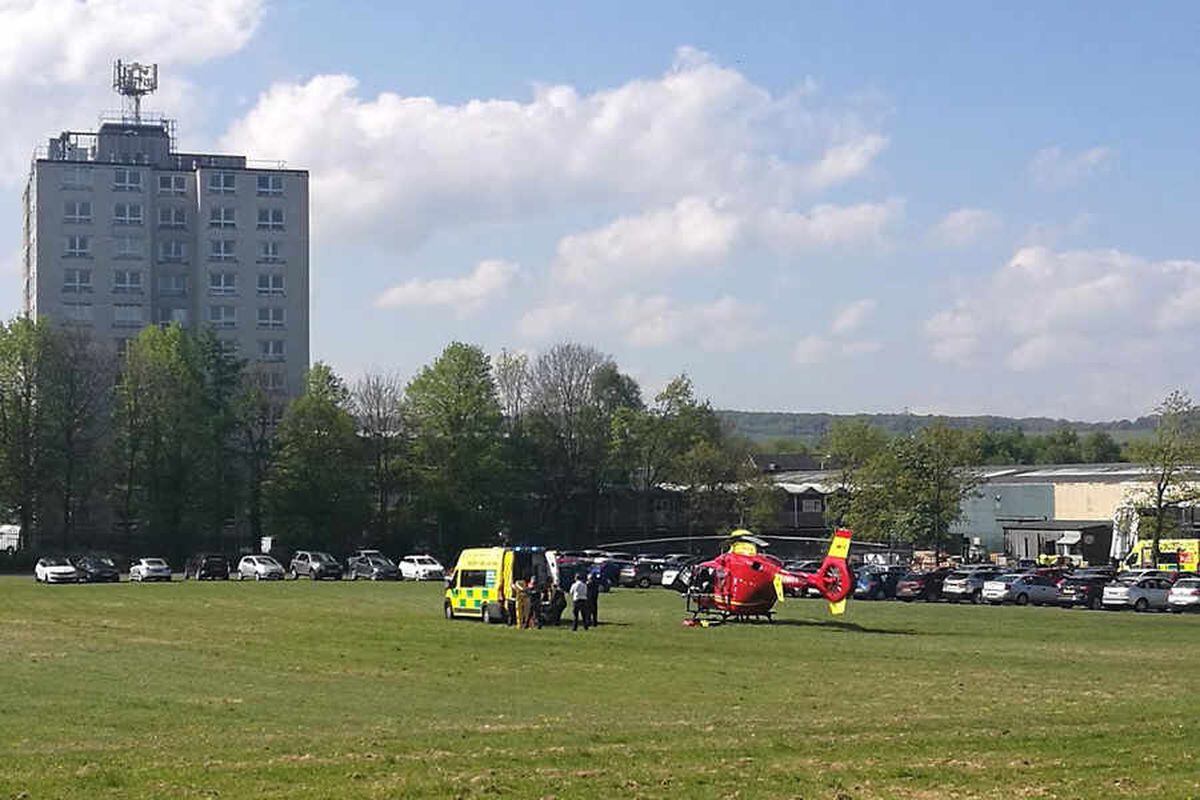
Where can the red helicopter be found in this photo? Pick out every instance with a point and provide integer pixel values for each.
(744, 582)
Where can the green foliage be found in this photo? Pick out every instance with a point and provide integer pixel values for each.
(316, 492)
(1167, 457)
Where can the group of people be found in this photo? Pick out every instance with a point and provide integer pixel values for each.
(536, 605)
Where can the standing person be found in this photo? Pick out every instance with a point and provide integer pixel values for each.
(593, 597)
(533, 596)
(522, 607)
(579, 602)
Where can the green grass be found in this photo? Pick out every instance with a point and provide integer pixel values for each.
(363, 690)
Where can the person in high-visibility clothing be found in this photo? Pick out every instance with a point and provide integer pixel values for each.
(523, 607)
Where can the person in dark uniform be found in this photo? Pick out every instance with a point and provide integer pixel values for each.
(593, 597)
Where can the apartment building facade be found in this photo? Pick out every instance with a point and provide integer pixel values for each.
(122, 231)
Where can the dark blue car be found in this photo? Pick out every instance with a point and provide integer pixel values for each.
(878, 583)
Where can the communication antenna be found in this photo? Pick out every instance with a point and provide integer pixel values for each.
(132, 81)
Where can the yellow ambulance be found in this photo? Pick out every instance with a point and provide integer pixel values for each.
(484, 581)
(1177, 554)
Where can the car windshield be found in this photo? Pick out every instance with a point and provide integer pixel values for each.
(1188, 583)
(55, 562)
(914, 576)
(1125, 582)
(154, 562)
(324, 558)
(213, 560)
(266, 562)
(426, 560)
(378, 561)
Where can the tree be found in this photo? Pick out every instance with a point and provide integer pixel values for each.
(851, 444)
(1060, 446)
(913, 489)
(24, 361)
(1167, 458)
(77, 398)
(254, 443)
(1099, 447)
(458, 446)
(377, 402)
(316, 493)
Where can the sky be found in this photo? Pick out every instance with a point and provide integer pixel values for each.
(846, 207)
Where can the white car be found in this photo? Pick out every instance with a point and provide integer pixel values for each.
(150, 569)
(421, 568)
(259, 568)
(54, 570)
(1139, 595)
(1021, 589)
(1184, 595)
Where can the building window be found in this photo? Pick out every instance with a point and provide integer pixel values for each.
(270, 185)
(268, 253)
(270, 219)
(127, 281)
(222, 182)
(172, 184)
(79, 247)
(270, 285)
(169, 217)
(129, 316)
(172, 285)
(222, 316)
(77, 281)
(127, 180)
(77, 211)
(228, 347)
(270, 349)
(222, 283)
(77, 178)
(127, 214)
(129, 247)
(222, 217)
(220, 250)
(122, 343)
(172, 250)
(78, 312)
(167, 316)
(810, 507)
(271, 381)
(270, 317)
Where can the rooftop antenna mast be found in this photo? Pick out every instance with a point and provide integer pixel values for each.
(132, 81)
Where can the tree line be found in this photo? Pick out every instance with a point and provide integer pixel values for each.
(174, 446)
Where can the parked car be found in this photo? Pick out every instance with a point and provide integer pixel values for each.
(643, 574)
(315, 565)
(1084, 589)
(967, 584)
(150, 569)
(1140, 595)
(259, 568)
(608, 571)
(53, 569)
(421, 568)
(922, 585)
(372, 567)
(1184, 595)
(206, 566)
(1022, 589)
(806, 567)
(95, 569)
(878, 583)
(1138, 574)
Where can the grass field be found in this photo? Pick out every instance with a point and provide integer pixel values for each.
(363, 690)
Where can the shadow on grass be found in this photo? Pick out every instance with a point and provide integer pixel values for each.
(851, 627)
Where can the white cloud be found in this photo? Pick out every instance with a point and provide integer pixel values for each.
(464, 296)
(724, 325)
(56, 59)
(697, 234)
(1054, 168)
(813, 350)
(1087, 309)
(545, 321)
(850, 318)
(410, 165)
(963, 227)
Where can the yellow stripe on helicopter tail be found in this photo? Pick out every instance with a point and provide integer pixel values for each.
(778, 582)
(838, 608)
(840, 546)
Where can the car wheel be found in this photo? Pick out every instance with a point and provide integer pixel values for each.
(257, 576)
(1096, 604)
(976, 597)
(291, 575)
(1022, 599)
(353, 574)
(484, 616)
(1141, 604)
(644, 583)
(312, 575)
(449, 611)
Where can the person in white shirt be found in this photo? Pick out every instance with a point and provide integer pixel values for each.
(579, 603)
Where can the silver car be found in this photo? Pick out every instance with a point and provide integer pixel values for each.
(150, 569)
(1021, 589)
(1184, 595)
(967, 584)
(1140, 595)
(259, 568)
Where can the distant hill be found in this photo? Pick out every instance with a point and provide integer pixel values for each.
(762, 426)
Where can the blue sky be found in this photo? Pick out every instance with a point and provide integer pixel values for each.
(825, 206)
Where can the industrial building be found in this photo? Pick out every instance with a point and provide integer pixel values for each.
(122, 230)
